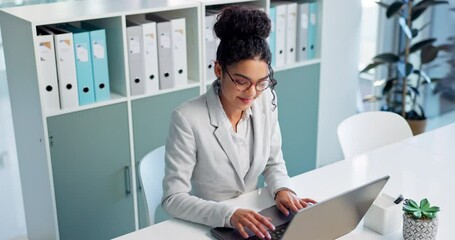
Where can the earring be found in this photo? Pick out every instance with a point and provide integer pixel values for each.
(217, 85)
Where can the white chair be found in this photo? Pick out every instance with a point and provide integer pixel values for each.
(366, 131)
(151, 171)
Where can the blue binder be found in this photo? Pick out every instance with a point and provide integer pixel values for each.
(82, 53)
(272, 15)
(100, 66)
(312, 29)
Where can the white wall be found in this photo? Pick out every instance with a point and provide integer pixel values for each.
(12, 217)
(339, 73)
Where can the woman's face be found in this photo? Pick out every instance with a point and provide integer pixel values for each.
(233, 96)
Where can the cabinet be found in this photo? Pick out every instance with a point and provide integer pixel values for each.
(298, 98)
(90, 164)
(78, 166)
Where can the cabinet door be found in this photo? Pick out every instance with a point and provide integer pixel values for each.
(90, 154)
(151, 117)
(298, 100)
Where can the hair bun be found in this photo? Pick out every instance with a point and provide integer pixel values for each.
(242, 21)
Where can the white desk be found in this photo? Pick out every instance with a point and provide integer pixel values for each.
(423, 166)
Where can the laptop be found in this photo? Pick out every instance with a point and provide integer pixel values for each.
(328, 219)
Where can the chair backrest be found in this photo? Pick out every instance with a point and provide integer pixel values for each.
(366, 131)
(151, 171)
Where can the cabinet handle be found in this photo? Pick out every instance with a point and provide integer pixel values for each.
(127, 180)
(138, 180)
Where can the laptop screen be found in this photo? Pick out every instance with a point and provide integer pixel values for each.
(328, 219)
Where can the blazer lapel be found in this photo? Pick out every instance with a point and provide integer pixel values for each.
(222, 132)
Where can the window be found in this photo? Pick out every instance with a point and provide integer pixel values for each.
(368, 33)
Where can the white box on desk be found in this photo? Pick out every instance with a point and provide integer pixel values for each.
(384, 216)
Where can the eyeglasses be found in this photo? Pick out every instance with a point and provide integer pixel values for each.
(245, 84)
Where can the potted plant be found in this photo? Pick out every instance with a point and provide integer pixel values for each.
(401, 90)
(419, 221)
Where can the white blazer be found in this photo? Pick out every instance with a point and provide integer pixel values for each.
(202, 164)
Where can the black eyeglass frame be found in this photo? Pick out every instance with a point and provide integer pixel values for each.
(249, 81)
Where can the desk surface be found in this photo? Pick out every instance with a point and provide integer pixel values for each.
(422, 166)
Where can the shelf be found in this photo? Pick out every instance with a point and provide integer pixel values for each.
(297, 65)
(115, 98)
(225, 2)
(83, 10)
(191, 84)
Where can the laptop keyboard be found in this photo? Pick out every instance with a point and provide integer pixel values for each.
(277, 234)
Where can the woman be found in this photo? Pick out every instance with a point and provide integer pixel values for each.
(220, 142)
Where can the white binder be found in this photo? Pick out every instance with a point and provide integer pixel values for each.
(178, 45)
(66, 67)
(291, 32)
(135, 59)
(165, 52)
(272, 36)
(150, 53)
(302, 31)
(165, 56)
(47, 70)
(280, 33)
(178, 39)
(210, 47)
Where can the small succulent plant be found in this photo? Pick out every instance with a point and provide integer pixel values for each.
(422, 211)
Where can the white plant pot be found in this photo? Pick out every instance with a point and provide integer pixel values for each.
(419, 229)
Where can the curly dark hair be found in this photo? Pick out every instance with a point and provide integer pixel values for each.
(243, 30)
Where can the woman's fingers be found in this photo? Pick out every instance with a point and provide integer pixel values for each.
(287, 201)
(256, 223)
(260, 224)
(292, 205)
(298, 204)
(309, 200)
(266, 221)
(304, 203)
(241, 230)
(283, 208)
(258, 230)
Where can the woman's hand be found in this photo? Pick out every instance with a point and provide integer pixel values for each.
(286, 200)
(258, 224)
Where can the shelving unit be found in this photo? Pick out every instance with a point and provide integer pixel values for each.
(298, 106)
(78, 166)
(215, 4)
